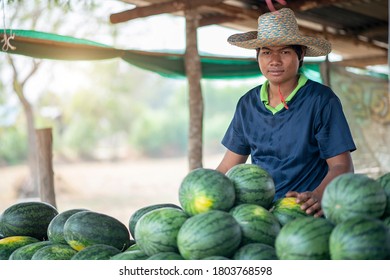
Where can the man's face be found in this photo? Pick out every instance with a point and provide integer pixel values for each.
(278, 64)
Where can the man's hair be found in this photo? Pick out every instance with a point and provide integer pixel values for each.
(297, 48)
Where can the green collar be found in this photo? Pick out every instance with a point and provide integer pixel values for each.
(264, 94)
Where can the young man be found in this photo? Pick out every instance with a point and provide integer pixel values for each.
(291, 126)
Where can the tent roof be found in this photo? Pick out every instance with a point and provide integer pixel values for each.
(357, 29)
(53, 46)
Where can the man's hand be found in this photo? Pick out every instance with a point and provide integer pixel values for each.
(310, 202)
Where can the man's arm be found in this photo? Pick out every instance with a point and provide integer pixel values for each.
(229, 160)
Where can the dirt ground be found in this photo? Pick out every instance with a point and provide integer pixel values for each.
(113, 188)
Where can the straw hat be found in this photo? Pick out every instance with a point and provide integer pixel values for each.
(280, 29)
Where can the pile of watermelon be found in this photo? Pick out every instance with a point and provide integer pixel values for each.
(230, 216)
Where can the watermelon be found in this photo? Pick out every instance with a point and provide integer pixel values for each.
(9, 244)
(349, 195)
(142, 211)
(253, 185)
(255, 251)
(27, 251)
(257, 224)
(205, 189)
(359, 238)
(304, 238)
(386, 221)
(157, 230)
(216, 258)
(133, 247)
(27, 219)
(55, 230)
(96, 252)
(130, 255)
(213, 233)
(87, 228)
(166, 256)
(286, 209)
(54, 252)
(384, 181)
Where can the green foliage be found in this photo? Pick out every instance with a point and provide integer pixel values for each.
(13, 145)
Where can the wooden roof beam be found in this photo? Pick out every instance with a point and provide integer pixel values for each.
(159, 8)
(363, 61)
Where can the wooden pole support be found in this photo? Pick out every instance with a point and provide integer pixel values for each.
(45, 165)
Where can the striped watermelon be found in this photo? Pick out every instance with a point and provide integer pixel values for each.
(255, 251)
(87, 228)
(27, 219)
(96, 252)
(213, 233)
(304, 238)
(27, 251)
(11, 243)
(359, 238)
(384, 180)
(141, 211)
(286, 209)
(253, 185)
(54, 252)
(214, 258)
(130, 255)
(55, 230)
(349, 195)
(157, 230)
(257, 224)
(205, 189)
(166, 256)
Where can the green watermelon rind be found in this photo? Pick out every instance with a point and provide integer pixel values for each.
(304, 238)
(360, 238)
(27, 251)
(54, 252)
(130, 255)
(213, 233)
(157, 230)
(286, 212)
(11, 243)
(384, 181)
(255, 251)
(55, 229)
(253, 185)
(205, 189)
(87, 228)
(350, 195)
(30, 218)
(96, 252)
(142, 211)
(166, 256)
(257, 224)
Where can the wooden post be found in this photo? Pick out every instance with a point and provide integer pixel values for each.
(45, 165)
(325, 68)
(194, 74)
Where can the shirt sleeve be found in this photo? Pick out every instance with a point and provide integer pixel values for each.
(235, 139)
(333, 133)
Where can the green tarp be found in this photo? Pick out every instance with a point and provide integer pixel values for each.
(52, 46)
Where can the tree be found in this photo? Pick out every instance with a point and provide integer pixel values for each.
(33, 15)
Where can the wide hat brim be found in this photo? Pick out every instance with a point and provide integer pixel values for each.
(249, 40)
(280, 29)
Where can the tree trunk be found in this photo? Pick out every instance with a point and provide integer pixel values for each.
(194, 75)
(30, 187)
(45, 165)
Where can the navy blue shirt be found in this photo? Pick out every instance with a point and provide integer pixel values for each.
(292, 144)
